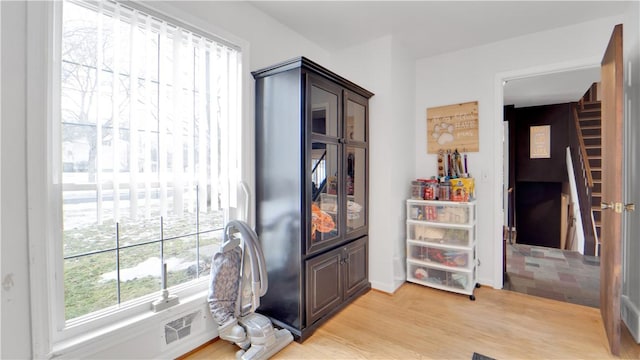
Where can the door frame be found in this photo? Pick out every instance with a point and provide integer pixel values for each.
(499, 80)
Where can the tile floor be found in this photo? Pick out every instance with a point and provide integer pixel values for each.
(553, 273)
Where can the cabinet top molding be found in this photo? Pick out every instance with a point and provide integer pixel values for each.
(303, 62)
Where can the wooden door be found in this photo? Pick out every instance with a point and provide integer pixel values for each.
(611, 236)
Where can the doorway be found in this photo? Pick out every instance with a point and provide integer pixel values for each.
(539, 258)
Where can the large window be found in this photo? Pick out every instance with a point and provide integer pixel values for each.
(149, 114)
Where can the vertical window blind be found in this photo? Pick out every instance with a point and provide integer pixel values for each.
(150, 115)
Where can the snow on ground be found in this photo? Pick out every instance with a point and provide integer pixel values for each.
(150, 267)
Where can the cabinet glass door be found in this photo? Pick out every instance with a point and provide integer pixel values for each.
(356, 188)
(355, 122)
(355, 163)
(324, 111)
(325, 188)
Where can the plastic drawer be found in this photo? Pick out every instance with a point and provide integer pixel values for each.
(417, 191)
(445, 256)
(457, 281)
(439, 234)
(444, 212)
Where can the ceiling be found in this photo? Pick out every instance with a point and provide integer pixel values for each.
(428, 28)
(557, 88)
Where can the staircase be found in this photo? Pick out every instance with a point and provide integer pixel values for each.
(589, 116)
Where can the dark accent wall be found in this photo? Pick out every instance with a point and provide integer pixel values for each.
(538, 213)
(553, 169)
(537, 183)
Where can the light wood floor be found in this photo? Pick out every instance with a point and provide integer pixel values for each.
(423, 323)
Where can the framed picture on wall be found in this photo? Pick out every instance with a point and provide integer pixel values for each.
(540, 142)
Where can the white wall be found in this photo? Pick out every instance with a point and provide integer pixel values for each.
(16, 323)
(385, 68)
(471, 75)
(401, 165)
(631, 193)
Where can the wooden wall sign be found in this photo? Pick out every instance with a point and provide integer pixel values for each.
(453, 127)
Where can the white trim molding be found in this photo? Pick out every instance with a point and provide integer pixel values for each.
(39, 48)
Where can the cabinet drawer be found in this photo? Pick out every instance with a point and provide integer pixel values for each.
(440, 234)
(458, 281)
(441, 212)
(450, 257)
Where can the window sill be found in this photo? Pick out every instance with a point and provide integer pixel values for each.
(143, 335)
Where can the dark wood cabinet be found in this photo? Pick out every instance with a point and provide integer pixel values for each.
(334, 277)
(324, 284)
(312, 157)
(356, 274)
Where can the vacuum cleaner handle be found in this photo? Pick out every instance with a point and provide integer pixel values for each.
(258, 263)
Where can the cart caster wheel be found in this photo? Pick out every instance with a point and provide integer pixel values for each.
(477, 286)
(472, 297)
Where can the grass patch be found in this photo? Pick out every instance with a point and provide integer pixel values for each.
(90, 281)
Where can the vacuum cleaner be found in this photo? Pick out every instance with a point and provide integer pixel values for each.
(238, 280)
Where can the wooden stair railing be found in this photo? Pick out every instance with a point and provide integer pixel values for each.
(584, 182)
(587, 122)
(584, 159)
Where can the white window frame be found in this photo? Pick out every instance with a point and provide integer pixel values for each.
(51, 334)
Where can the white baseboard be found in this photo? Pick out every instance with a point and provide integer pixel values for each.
(631, 317)
(497, 284)
(384, 287)
(398, 283)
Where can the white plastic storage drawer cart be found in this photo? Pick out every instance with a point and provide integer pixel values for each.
(441, 245)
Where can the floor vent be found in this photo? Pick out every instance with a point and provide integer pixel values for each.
(179, 328)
